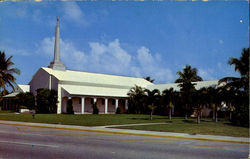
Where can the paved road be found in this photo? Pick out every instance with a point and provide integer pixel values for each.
(32, 142)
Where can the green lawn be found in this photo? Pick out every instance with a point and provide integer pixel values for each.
(6, 111)
(178, 124)
(84, 120)
(206, 127)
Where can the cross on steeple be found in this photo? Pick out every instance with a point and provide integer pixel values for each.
(56, 64)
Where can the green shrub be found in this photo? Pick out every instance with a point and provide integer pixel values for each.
(240, 117)
(26, 100)
(118, 110)
(95, 108)
(70, 107)
(46, 101)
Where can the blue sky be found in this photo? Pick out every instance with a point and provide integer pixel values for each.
(140, 39)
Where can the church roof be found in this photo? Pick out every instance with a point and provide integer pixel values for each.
(18, 89)
(23, 88)
(96, 79)
(95, 91)
(162, 87)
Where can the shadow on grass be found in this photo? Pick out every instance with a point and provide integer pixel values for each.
(189, 121)
(231, 124)
(145, 118)
(168, 121)
(139, 118)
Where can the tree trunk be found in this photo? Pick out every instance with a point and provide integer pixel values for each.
(213, 114)
(201, 114)
(216, 116)
(169, 114)
(151, 115)
(186, 116)
(198, 118)
(230, 116)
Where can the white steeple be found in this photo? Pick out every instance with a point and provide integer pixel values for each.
(56, 64)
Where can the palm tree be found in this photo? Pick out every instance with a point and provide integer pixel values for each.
(136, 99)
(148, 78)
(241, 65)
(211, 100)
(152, 98)
(189, 74)
(6, 73)
(239, 88)
(168, 96)
(201, 97)
(185, 79)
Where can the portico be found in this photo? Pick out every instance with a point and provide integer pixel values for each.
(106, 105)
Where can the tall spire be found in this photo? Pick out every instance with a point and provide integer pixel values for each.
(56, 64)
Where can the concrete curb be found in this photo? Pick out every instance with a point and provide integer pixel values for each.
(123, 131)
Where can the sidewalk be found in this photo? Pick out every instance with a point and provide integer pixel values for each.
(242, 140)
(113, 126)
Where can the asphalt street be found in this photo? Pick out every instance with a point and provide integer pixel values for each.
(22, 142)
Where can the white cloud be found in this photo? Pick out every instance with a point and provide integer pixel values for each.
(111, 58)
(74, 13)
(13, 51)
(97, 48)
(144, 57)
(221, 41)
(46, 47)
(151, 65)
(72, 57)
(206, 74)
(108, 58)
(219, 65)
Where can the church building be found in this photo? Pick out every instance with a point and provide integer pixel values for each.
(84, 88)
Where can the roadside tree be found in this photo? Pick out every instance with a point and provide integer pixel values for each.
(187, 90)
(168, 100)
(136, 100)
(152, 100)
(240, 86)
(7, 72)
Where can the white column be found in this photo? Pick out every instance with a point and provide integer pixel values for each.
(126, 104)
(116, 104)
(83, 104)
(106, 106)
(50, 82)
(59, 104)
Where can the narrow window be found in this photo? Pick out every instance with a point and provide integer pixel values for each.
(80, 101)
(113, 102)
(92, 101)
(103, 101)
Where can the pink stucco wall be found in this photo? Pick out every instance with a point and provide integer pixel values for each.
(41, 80)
